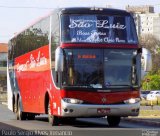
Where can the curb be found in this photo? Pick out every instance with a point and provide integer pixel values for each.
(145, 121)
(4, 103)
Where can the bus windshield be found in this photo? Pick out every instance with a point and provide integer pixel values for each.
(100, 68)
(98, 29)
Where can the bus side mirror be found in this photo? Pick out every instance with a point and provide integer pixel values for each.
(146, 61)
(59, 60)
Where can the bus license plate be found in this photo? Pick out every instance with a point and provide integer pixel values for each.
(103, 110)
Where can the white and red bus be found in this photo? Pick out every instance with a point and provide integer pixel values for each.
(76, 62)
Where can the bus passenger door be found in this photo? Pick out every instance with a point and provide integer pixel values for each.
(10, 89)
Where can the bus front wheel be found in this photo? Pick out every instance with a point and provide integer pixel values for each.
(30, 116)
(113, 121)
(53, 120)
(19, 114)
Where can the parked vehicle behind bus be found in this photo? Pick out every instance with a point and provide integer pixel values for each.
(77, 62)
(153, 95)
(144, 94)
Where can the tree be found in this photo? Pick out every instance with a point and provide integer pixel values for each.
(153, 44)
(150, 42)
(152, 84)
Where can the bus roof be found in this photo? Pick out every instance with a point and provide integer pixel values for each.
(94, 10)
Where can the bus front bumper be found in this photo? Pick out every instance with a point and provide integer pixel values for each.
(90, 110)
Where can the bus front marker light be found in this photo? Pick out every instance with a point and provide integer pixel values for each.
(135, 110)
(65, 110)
(132, 100)
(71, 110)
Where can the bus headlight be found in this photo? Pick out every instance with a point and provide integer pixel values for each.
(72, 101)
(132, 100)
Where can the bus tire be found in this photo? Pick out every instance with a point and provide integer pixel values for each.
(20, 115)
(113, 121)
(53, 120)
(14, 108)
(30, 116)
(70, 120)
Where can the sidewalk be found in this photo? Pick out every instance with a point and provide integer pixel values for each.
(148, 115)
(155, 121)
(4, 103)
(3, 97)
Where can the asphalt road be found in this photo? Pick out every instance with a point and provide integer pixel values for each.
(82, 126)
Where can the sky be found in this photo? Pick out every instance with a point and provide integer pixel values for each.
(15, 15)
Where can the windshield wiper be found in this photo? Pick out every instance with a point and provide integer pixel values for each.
(79, 86)
(130, 86)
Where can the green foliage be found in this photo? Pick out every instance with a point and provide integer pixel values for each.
(158, 50)
(153, 84)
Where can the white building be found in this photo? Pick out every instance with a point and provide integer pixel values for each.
(147, 22)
